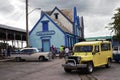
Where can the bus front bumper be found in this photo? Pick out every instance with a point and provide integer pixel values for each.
(74, 66)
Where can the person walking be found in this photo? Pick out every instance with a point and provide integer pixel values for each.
(66, 51)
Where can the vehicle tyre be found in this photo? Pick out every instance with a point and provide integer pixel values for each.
(117, 61)
(67, 70)
(90, 67)
(18, 59)
(108, 63)
(41, 58)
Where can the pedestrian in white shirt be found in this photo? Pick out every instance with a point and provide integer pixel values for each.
(66, 51)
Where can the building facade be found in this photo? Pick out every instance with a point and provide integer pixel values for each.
(57, 27)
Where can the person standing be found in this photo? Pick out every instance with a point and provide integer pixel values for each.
(61, 49)
(8, 51)
(52, 49)
(0, 53)
(66, 51)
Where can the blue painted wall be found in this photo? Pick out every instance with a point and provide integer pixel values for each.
(55, 35)
(57, 39)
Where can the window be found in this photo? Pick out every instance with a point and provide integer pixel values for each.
(105, 46)
(56, 15)
(45, 25)
(96, 48)
(115, 48)
(28, 51)
(83, 49)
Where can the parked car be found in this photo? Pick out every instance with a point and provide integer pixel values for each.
(31, 54)
(89, 54)
(116, 53)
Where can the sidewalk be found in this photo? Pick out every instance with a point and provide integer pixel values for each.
(5, 59)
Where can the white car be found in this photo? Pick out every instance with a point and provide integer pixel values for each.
(116, 49)
(31, 54)
(116, 53)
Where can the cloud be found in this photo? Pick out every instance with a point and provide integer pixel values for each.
(97, 7)
(6, 7)
(97, 13)
(12, 13)
(89, 7)
(95, 25)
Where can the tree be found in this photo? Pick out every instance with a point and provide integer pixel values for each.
(116, 25)
(3, 45)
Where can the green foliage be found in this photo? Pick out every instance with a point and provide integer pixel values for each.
(3, 45)
(116, 24)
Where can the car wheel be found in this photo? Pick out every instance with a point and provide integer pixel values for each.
(67, 70)
(18, 59)
(108, 63)
(89, 67)
(41, 58)
(117, 61)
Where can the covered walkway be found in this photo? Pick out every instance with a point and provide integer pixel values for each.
(13, 36)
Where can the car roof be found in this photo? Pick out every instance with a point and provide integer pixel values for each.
(28, 48)
(91, 42)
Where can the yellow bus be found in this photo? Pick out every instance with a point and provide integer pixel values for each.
(89, 55)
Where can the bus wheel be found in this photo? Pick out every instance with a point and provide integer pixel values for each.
(67, 70)
(90, 67)
(108, 63)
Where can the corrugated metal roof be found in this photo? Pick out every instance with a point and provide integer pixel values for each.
(11, 28)
(47, 12)
(90, 42)
(68, 13)
(61, 25)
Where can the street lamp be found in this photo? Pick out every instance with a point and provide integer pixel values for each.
(27, 31)
(33, 10)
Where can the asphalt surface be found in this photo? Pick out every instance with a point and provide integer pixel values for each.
(52, 70)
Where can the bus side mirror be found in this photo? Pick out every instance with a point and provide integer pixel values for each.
(72, 52)
(93, 53)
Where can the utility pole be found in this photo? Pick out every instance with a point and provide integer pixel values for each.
(27, 25)
(27, 31)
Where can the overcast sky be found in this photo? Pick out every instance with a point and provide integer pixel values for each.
(97, 13)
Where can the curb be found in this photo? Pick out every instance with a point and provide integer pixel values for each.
(4, 60)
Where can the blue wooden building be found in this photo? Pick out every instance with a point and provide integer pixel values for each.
(57, 27)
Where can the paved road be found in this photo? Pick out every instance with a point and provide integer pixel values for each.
(52, 70)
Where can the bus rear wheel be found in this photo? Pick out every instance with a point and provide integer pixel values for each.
(90, 67)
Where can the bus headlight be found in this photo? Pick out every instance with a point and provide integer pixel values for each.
(78, 58)
(66, 57)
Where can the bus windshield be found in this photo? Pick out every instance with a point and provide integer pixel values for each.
(83, 48)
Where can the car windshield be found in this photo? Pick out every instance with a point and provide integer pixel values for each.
(83, 48)
(28, 51)
(115, 48)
